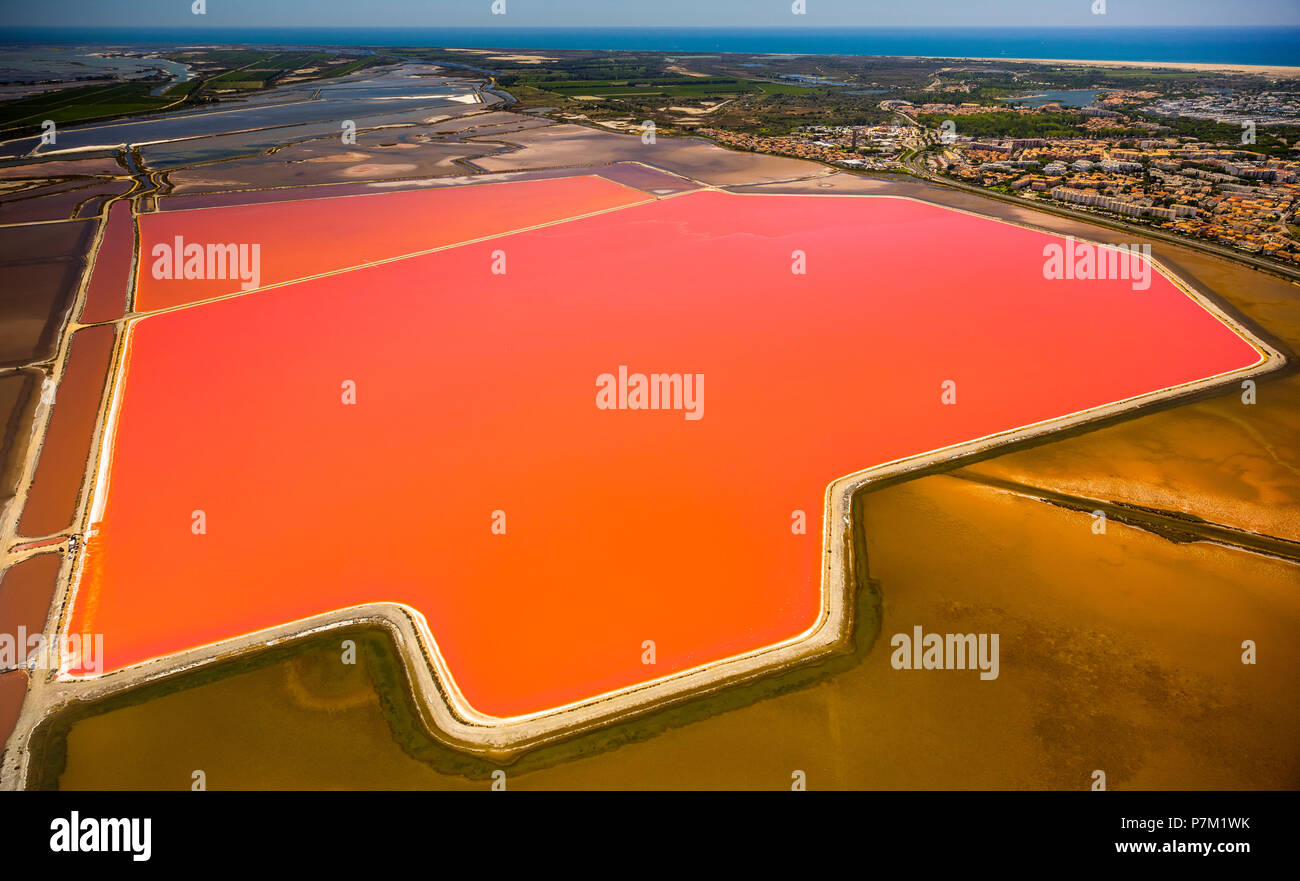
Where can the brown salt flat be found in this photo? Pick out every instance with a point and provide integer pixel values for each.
(692, 157)
(21, 190)
(26, 591)
(13, 688)
(327, 161)
(506, 129)
(41, 266)
(629, 174)
(53, 200)
(59, 205)
(19, 391)
(493, 122)
(61, 167)
(545, 147)
(836, 183)
(65, 451)
(94, 207)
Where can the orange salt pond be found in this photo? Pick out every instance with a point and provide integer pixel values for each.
(476, 478)
(300, 239)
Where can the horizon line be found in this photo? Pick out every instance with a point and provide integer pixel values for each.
(362, 27)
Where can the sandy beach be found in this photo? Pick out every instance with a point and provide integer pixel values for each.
(1256, 69)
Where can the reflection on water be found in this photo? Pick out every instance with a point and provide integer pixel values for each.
(387, 92)
(192, 150)
(44, 63)
(1066, 98)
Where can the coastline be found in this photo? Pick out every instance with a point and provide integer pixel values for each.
(1269, 70)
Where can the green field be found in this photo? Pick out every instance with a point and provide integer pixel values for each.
(81, 103)
(243, 79)
(351, 67)
(1045, 124)
(180, 90)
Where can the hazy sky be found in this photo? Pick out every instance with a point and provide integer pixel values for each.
(642, 13)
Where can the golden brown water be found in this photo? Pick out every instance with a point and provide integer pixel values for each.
(1118, 652)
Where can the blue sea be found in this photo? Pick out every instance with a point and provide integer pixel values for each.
(1253, 45)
